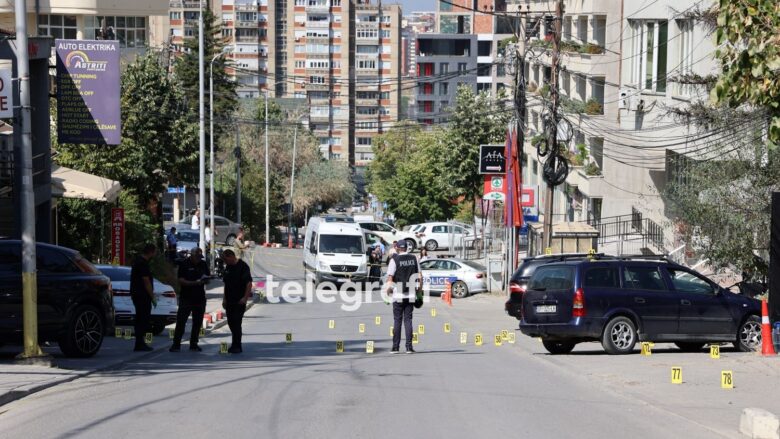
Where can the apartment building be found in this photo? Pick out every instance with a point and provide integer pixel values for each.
(617, 64)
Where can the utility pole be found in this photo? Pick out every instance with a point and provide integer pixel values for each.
(552, 130)
(292, 185)
(267, 210)
(237, 153)
(26, 191)
(202, 132)
(520, 110)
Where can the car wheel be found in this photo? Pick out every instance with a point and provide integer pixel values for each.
(460, 290)
(410, 245)
(749, 335)
(84, 333)
(230, 240)
(558, 347)
(431, 245)
(690, 346)
(619, 336)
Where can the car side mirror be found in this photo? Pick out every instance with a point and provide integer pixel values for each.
(394, 231)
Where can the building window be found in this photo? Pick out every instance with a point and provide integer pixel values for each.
(685, 54)
(444, 88)
(462, 67)
(444, 68)
(597, 151)
(455, 24)
(130, 31)
(425, 69)
(363, 141)
(59, 26)
(648, 67)
(484, 69)
(427, 89)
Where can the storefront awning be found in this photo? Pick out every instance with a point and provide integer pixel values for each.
(69, 183)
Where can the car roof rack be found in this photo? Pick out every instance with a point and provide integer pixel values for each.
(566, 256)
(663, 257)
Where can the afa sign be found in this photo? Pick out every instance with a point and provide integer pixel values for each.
(491, 159)
(88, 92)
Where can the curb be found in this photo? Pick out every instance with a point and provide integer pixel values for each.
(17, 394)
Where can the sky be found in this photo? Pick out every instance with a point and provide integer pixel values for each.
(415, 5)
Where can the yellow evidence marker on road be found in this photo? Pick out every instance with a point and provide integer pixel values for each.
(433, 312)
(223, 348)
(128, 334)
(478, 340)
(288, 337)
(362, 328)
(504, 335)
(511, 338)
(415, 338)
(727, 379)
(677, 375)
(339, 347)
(202, 331)
(149, 338)
(369, 347)
(118, 332)
(447, 328)
(171, 333)
(464, 338)
(391, 331)
(497, 340)
(715, 352)
(331, 324)
(378, 320)
(647, 350)
(421, 329)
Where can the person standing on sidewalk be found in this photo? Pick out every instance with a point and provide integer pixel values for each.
(193, 275)
(171, 244)
(402, 277)
(238, 291)
(142, 293)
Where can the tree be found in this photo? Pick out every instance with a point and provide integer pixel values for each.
(187, 73)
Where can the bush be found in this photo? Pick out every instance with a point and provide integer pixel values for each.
(592, 169)
(545, 91)
(593, 49)
(593, 107)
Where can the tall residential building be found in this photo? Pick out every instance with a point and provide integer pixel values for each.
(341, 57)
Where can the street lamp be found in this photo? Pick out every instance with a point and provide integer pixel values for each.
(202, 135)
(267, 210)
(211, 152)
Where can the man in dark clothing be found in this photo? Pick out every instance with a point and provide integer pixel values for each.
(193, 275)
(238, 291)
(142, 293)
(402, 277)
(171, 244)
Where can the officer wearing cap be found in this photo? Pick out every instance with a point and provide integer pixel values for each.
(403, 275)
(193, 275)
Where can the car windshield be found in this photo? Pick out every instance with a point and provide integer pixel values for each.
(116, 274)
(188, 236)
(341, 244)
(553, 278)
(474, 265)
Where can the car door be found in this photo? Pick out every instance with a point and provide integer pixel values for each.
(59, 282)
(703, 310)
(433, 274)
(10, 290)
(649, 297)
(440, 235)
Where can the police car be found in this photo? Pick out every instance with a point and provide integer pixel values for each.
(466, 277)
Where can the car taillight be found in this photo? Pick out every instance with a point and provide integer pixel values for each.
(169, 294)
(578, 305)
(516, 288)
(121, 293)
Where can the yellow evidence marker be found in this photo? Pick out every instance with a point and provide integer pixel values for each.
(223, 348)
(118, 332)
(497, 340)
(362, 328)
(677, 375)
(433, 312)
(171, 333)
(378, 320)
(149, 338)
(415, 338)
(421, 329)
(447, 328)
(511, 338)
(128, 334)
(391, 331)
(464, 337)
(339, 346)
(331, 324)
(478, 339)
(202, 331)
(727, 379)
(369, 347)
(715, 352)
(288, 337)
(504, 335)
(647, 350)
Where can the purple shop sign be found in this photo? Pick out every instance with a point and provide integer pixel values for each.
(88, 90)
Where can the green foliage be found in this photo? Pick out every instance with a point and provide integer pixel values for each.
(592, 169)
(593, 107)
(748, 36)
(275, 113)
(544, 91)
(572, 105)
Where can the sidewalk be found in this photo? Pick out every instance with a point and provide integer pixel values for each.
(18, 381)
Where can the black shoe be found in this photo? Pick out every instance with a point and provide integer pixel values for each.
(233, 350)
(394, 351)
(144, 348)
(175, 348)
(195, 348)
(410, 350)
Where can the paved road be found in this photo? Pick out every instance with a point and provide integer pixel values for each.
(306, 389)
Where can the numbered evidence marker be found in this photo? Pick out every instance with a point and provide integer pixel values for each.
(433, 312)
(128, 334)
(464, 338)
(202, 331)
(171, 333)
(677, 375)
(497, 340)
(370, 347)
(378, 320)
(511, 338)
(149, 338)
(715, 352)
(647, 350)
(331, 324)
(118, 332)
(447, 328)
(415, 338)
(504, 335)
(288, 337)
(391, 331)
(362, 328)
(421, 329)
(478, 339)
(339, 346)
(223, 348)
(727, 379)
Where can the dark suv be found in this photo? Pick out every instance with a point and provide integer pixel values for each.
(621, 301)
(75, 307)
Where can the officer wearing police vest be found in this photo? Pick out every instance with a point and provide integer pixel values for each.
(403, 275)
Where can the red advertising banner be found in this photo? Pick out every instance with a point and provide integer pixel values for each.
(117, 236)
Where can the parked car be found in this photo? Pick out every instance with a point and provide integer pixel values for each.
(466, 277)
(74, 299)
(124, 311)
(373, 238)
(437, 235)
(186, 240)
(519, 280)
(389, 233)
(621, 301)
(226, 229)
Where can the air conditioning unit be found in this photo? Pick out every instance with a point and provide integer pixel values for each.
(624, 99)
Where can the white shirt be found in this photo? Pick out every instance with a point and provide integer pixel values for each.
(207, 234)
(195, 222)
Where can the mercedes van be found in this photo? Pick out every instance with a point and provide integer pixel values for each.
(334, 251)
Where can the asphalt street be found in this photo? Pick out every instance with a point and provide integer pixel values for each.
(451, 390)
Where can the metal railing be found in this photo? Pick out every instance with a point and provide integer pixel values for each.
(625, 228)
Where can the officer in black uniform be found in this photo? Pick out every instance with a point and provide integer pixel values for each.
(238, 291)
(193, 275)
(403, 274)
(142, 293)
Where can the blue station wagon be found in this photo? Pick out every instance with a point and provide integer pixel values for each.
(621, 301)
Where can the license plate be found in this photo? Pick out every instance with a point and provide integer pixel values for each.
(546, 309)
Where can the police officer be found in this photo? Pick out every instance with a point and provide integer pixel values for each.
(142, 293)
(238, 291)
(402, 277)
(193, 275)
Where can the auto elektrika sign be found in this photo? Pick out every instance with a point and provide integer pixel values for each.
(88, 92)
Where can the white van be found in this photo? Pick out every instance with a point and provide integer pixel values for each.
(334, 251)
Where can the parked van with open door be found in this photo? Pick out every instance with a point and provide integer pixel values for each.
(334, 251)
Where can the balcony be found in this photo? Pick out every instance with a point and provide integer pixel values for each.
(246, 8)
(318, 24)
(246, 24)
